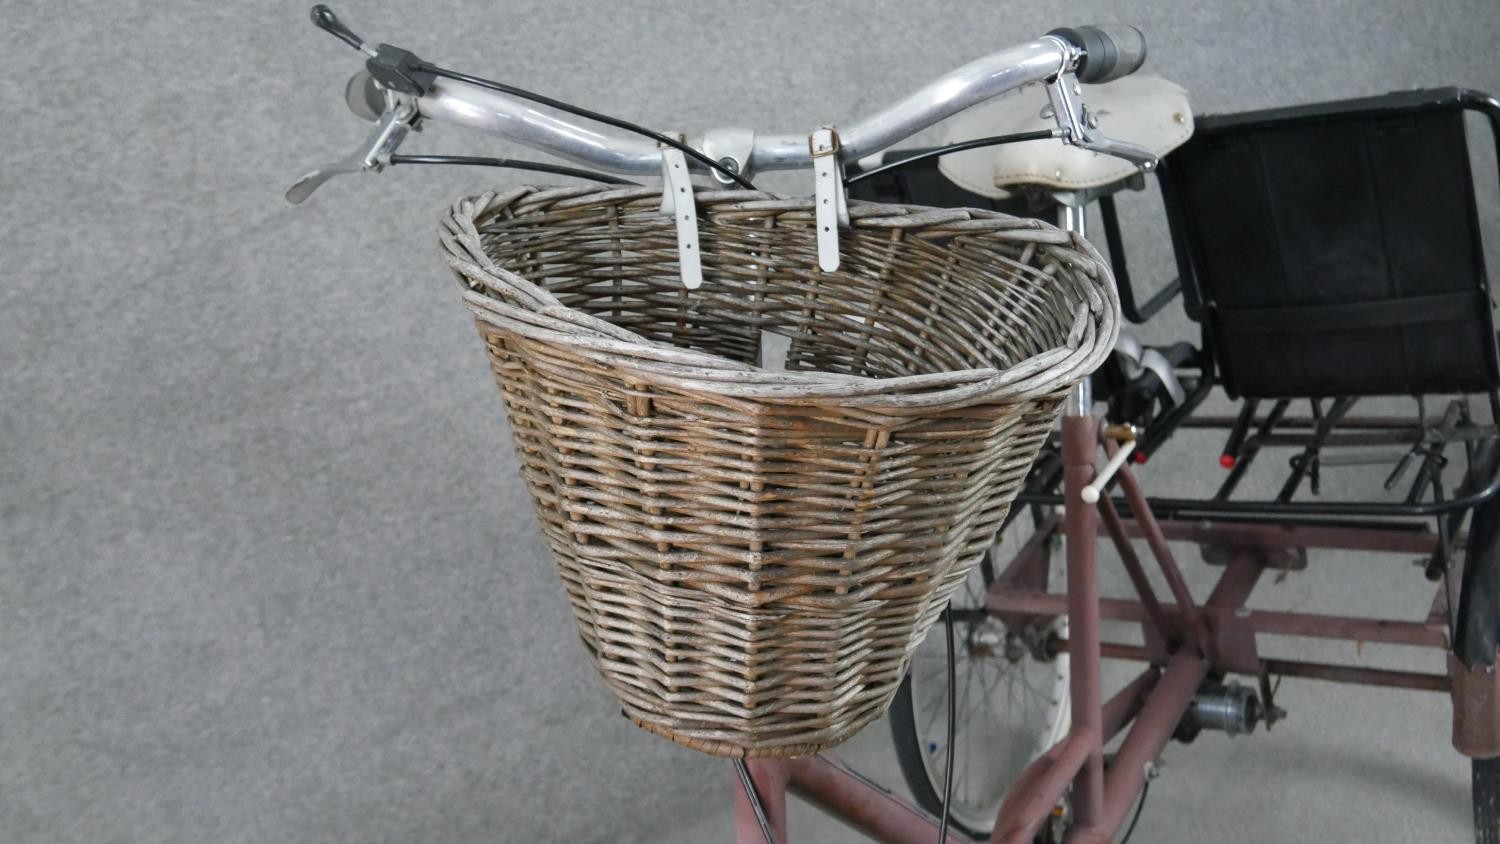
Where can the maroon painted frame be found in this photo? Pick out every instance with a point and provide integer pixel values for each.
(1185, 643)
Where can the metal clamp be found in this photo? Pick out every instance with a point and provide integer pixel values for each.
(734, 149)
(830, 200)
(677, 200)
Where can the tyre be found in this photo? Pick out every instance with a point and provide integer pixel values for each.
(1486, 780)
(1475, 639)
(1012, 695)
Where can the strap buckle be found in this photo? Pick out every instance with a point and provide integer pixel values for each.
(831, 203)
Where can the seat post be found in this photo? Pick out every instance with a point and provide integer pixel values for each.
(1079, 445)
(1081, 398)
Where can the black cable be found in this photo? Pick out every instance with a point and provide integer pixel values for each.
(753, 796)
(992, 141)
(514, 164)
(1145, 789)
(591, 115)
(952, 724)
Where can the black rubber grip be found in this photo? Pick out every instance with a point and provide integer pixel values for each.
(324, 18)
(1110, 50)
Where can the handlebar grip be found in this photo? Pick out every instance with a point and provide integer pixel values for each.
(1110, 50)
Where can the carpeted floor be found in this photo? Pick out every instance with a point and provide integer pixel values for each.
(267, 573)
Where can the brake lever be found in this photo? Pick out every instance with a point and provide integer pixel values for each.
(374, 154)
(1081, 129)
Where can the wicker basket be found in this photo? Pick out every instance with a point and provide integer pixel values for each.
(751, 556)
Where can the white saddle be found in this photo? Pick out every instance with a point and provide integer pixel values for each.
(1144, 110)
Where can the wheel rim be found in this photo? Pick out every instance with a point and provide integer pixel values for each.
(1012, 701)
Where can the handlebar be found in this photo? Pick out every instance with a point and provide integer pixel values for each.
(408, 92)
(556, 132)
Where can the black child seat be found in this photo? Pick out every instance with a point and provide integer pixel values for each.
(1334, 249)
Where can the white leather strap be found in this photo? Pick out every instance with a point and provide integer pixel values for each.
(1137, 358)
(1156, 362)
(828, 194)
(677, 200)
(1129, 347)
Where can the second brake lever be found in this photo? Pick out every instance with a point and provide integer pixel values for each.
(1080, 129)
(390, 130)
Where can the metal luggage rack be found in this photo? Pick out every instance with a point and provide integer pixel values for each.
(1327, 437)
(1321, 438)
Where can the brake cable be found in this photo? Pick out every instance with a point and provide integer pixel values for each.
(753, 797)
(952, 723)
(591, 115)
(514, 164)
(992, 141)
(402, 71)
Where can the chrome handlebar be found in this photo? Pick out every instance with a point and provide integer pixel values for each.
(561, 134)
(1052, 59)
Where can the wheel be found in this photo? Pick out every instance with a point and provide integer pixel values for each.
(1057, 831)
(1486, 780)
(1012, 695)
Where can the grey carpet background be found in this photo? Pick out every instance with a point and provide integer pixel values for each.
(266, 569)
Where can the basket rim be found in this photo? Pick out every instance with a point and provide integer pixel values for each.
(506, 301)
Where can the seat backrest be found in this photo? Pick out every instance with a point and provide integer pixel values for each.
(1334, 249)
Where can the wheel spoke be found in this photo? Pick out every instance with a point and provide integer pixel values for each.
(1007, 710)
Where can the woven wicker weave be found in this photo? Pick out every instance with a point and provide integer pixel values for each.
(751, 556)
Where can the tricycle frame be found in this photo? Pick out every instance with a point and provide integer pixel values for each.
(1185, 643)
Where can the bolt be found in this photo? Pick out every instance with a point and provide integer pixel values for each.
(730, 164)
